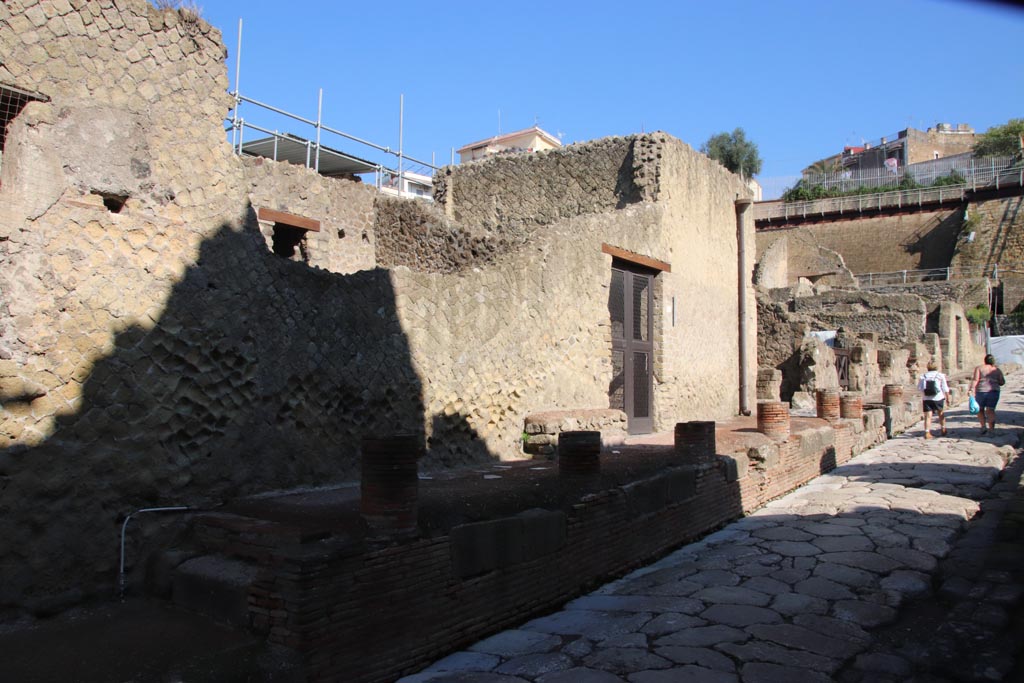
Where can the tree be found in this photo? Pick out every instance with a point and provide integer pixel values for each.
(734, 151)
(1000, 141)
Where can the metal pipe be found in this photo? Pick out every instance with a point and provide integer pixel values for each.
(122, 579)
(742, 282)
(238, 72)
(319, 119)
(401, 123)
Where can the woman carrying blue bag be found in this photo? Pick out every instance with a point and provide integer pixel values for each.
(985, 390)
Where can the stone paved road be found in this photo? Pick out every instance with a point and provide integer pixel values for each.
(802, 590)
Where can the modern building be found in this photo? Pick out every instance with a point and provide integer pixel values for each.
(909, 146)
(532, 139)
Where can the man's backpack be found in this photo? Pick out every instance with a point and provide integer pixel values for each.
(931, 387)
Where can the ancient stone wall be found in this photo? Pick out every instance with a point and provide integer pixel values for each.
(896, 318)
(418, 235)
(155, 350)
(518, 192)
(998, 227)
(880, 244)
(967, 293)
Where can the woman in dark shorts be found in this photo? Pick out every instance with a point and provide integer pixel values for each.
(985, 388)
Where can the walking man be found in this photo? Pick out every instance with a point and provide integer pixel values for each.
(934, 388)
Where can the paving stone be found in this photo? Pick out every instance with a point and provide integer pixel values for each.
(701, 656)
(581, 675)
(625, 640)
(703, 636)
(818, 587)
(593, 625)
(911, 584)
(670, 623)
(1007, 594)
(835, 628)
(759, 672)
(734, 595)
(828, 528)
(740, 615)
(797, 637)
(791, 604)
(782, 533)
(531, 666)
(635, 603)
(624, 660)
(766, 585)
(956, 587)
(761, 651)
(935, 547)
(848, 576)
(795, 548)
(464, 661)
(461, 677)
(791, 575)
(866, 614)
(911, 559)
(872, 562)
(514, 642)
(714, 577)
(832, 544)
(881, 663)
(684, 674)
(581, 647)
(753, 569)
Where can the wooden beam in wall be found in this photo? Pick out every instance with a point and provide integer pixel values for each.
(274, 216)
(639, 259)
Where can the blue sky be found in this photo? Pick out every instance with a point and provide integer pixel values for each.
(801, 78)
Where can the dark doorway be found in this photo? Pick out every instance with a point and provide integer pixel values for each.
(631, 305)
(289, 242)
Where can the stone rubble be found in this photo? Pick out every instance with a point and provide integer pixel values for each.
(815, 586)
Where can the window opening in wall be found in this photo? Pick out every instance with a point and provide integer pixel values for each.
(288, 239)
(12, 101)
(113, 202)
(289, 242)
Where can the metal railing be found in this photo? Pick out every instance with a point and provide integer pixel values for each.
(315, 149)
(994, 179)
(962, 166)
(909, 277)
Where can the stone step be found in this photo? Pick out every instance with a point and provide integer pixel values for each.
(215, 586)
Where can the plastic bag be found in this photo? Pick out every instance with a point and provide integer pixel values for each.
(972, 405)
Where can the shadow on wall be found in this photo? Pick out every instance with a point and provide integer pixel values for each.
(936, 243)
(260, 374)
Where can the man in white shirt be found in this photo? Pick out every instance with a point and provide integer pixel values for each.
(934, 388)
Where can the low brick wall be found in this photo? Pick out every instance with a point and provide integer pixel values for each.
(360, 613)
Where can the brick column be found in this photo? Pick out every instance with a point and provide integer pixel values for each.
(390, 484)
(579, 453)
(828, 403)
(773, 419)
(851, 405)
(892, 394)
(695, 441)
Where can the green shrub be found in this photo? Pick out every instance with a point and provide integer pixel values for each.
(979, 315)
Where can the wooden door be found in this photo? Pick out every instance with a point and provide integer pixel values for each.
(631, 305)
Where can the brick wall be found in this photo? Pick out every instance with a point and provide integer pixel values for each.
(365, 614)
